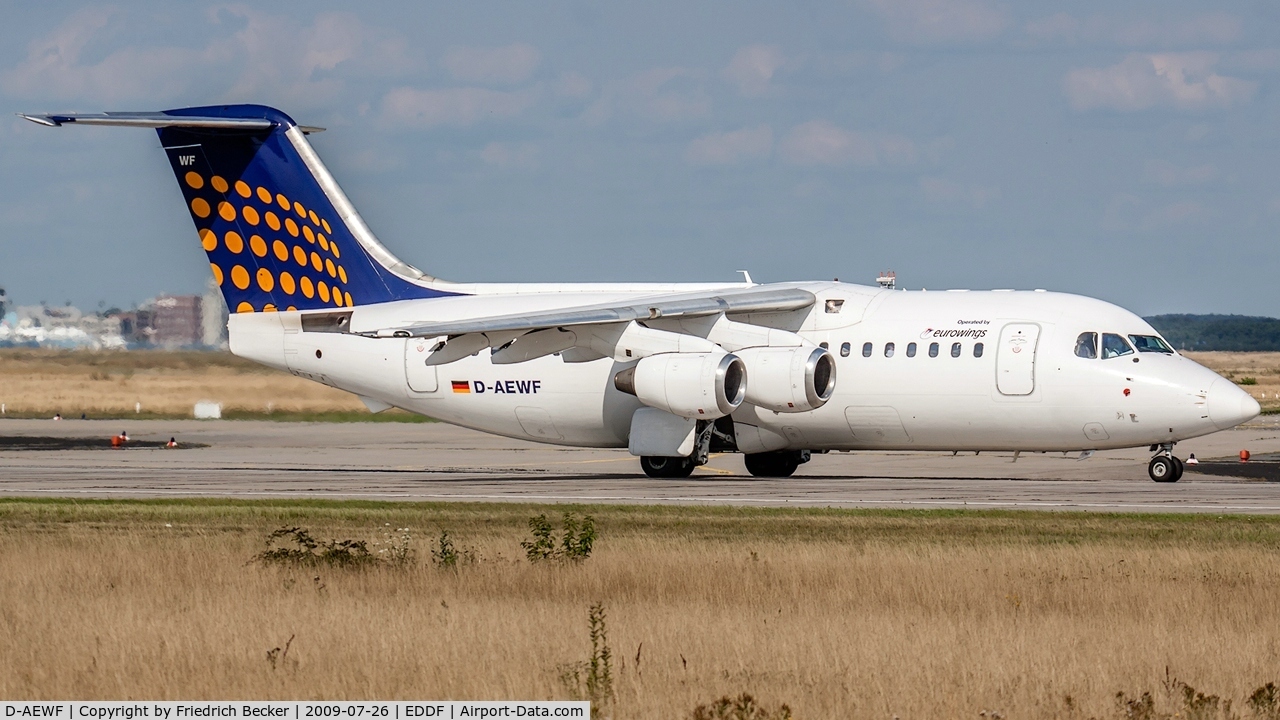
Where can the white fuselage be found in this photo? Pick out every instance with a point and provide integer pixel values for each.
(1028, 390)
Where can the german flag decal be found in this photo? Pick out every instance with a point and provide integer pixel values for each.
(461, 386)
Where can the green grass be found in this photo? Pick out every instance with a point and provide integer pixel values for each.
(973, 528)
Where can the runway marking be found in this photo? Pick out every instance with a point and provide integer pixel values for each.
(717, 471)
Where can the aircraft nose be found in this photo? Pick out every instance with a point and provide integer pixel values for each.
(1229, 405)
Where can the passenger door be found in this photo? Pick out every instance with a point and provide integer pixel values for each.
(1016, 359)
(420, 377)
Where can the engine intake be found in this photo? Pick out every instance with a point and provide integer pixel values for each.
(691, 385)
(789, 380)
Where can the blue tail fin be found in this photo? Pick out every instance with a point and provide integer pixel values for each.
(280, 233)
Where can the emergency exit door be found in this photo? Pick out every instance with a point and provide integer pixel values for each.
(1016, 359)
(420, 376)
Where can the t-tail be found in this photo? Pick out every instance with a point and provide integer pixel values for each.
(279, 232)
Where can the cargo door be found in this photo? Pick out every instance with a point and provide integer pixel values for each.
(1016, 359)
(420, 377)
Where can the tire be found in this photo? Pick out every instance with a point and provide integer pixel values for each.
(666, 467)
(1163, 469)
(772, 464)
(1178, 467)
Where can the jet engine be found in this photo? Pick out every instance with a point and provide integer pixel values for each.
(691, 385)
(789, 380)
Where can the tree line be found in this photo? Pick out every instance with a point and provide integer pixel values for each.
(1237, 333)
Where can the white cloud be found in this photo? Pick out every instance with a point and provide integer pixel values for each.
(572, 85)
(940, 21)
(508, 65)
(54, 67)
(728, 147)
(510, 155)
(1181, 80)
(412, 107)
(1167, 174)
(266, 56)
(1127, 213)
(949, 192)
(1174, 215)
(1215, 28)
(663, 94)
(753, 67)
(819, 142)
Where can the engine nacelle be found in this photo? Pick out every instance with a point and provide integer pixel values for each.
(789, 380)
(691, 385)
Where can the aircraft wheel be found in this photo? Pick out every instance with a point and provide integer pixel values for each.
(1163, 469)
(1178, 468)
(667, 467)
(772, 464)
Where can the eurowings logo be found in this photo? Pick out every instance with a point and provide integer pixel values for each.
(931, 333)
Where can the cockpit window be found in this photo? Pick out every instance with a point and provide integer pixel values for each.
(1150, 343)
(1114, 346)
(1087, 345)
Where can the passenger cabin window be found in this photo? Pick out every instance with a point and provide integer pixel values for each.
(977, 349)
(1150, 343)
(933, 349)
(833, 306)
(866, 349)
(888, 349)
(911, 349)
(1087, 345)
(844, 350)
(955, 349)
(1114, 346)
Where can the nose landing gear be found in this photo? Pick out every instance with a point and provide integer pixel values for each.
(1165, 467)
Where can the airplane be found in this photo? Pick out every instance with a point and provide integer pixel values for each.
(672, 371)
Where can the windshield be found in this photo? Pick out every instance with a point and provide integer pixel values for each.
(1150, 343)
(1114, 346)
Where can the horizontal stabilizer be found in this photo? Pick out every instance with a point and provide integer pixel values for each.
(156, 120)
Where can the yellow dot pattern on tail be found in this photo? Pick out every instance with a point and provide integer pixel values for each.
(276, 235)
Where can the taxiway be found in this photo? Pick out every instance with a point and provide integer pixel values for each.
(394, 461)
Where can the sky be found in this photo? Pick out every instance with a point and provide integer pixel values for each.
(1125, 151)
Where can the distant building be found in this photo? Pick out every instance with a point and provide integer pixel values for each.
(176, 321)
(66, 327)
(167, 321)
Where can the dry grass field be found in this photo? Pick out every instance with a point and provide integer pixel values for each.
(38, 383)
(837, 614)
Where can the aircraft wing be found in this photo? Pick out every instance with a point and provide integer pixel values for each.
(752, 299)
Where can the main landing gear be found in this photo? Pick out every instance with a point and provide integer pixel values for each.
(1165, 467)
(667, 467)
